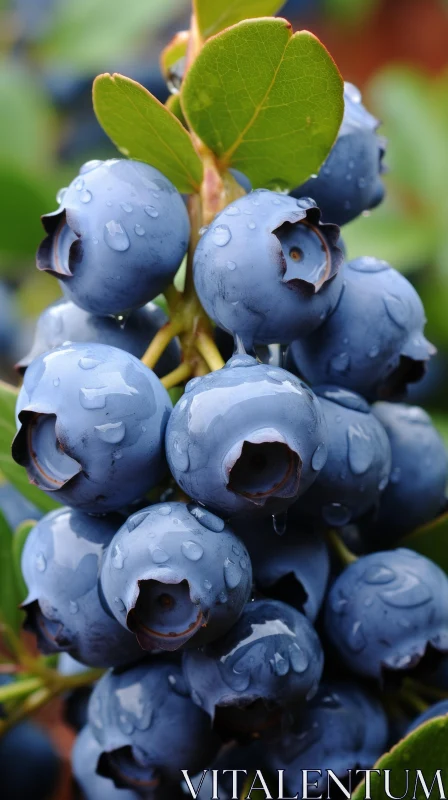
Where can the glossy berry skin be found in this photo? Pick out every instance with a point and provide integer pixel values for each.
(29, 764)
(176, 576)
(267, 269)
(242, 440)
(349, 182)
(118, 237)
(91, 422)
(147, 726)
(373, 343)
(60, 563)
(343, 727)
(385, 609)
(358, 463)
(293, 567)
(64, 321)
(439, 709)
(85, 755)
(272, 655)
(416, 490)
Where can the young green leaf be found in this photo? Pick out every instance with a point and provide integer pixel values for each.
(431, 541)
(173, 55)
(18, 543)
(265, 101)
(424, 750)
(12, 471)
(144, 129)
(215, 15)
(9, 592)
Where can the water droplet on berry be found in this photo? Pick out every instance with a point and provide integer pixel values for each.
(356, 639)
(251, 225)
(378, 574)
(111, 432)
(360, 450)
(231, 265)
(383, 483)
(298, 657)
(56, 382)
(374, 350)
(159, 556)
(221, 235)
(74, 608)
(395, 475)
(140, 231)
(118, 557)
(115, 236)
(232, 574)
(396, 310)
(232, 211)
(165, 511)
(206, 518)
(192, 550)
(60, 195)
(336, 514)
(88, 363)
(319, 458)
(41, 562)
(85, 196)
(243, 563)
(120, 605)
(127, 207)
(280, 523)
(361, 183)
(197, 699)
(340, 362)
(279, 665)
(207, 585)
(79, 184)
(89, 165)
(179, 453)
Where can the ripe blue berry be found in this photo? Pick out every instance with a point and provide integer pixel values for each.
(246, 440)
(293, 568)
(175, 575)
(373, 343)
(349, 182)
(439, 709)
(342, 728)
(29, 765)
(270, 658)
(358, 463)
(85, 755)
(267, 269)
(64, 322)
(118, 237)
(60, 563)
(384, 611)
(416, 490)
(147, 726)
(91, 425)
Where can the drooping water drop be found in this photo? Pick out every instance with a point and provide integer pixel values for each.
(378, 574)
(206, 518)
(298, 658)
(41, 562)
(111, 432)
(159, 556)
(192, 550)
(231, 265)
(395, 475)
(127, 207)
(279, 665)
(85, 196)
(232, 211)
(336, 514)
(340, 362)
(356, 638)
(221, 235)
(115, 236)
(89, 165)
(207, 584)
(74, 607)
(374, 351)
(360, 450)
(319, 458)
(118, 557)
(251, 225)
(79, 184)
(165, 511)
(60, 195)
(88, 363)
(139, 230)
(396, 310)
(232, 574)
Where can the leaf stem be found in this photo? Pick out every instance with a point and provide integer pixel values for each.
(19, 688)
(209, 351)
(344, 555)
(177, 376)
(161, 341)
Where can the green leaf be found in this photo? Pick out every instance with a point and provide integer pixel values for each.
(424, 749)
(12, 471)
(265, 101)
(215, 15)
(18, 543)
(173, 104)
(144, 129)
(9, 592)
(431, 540)
(175, 51)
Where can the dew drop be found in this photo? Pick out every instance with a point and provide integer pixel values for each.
(165, 511)
(207, 585)
(120, 605)
(159, 556)
(396, 310)
(111, 432)
(89, 165)
(117, 557)
(192, 550)
(378, 574)
(88, 363)
(231, 265)
(115, 236)
(383, 483)
(395, 475)
(298, 657)
(336, 514)
(74, 608)
(374, 351)
(56, 382)
(232, 211)
(279, 665)
(85, 196)
(340, 362)
(356, 639)
(206, 518)
(235, 550)
(232, 574)
(360, 450)
(127, 207)
(251, 225)
(243, 563)
(280, 523)
(319, 458)
(79, 184)
(221, 235)
(139, 230)
(61, 194)
(197, 699)
(41, 562)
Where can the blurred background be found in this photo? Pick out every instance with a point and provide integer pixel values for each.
(50, 50)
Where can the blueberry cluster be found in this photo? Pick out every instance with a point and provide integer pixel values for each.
(191, 555)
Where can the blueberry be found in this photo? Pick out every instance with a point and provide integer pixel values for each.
(243, 440)
(270, 658)
(416, 490)
(385, 610)
(147, 726)
(343, 727)
(349, 182)
(64, 321)
(91, 425)
(358, 463)
(373, 343)
(60, 563)
(176, 575)
(16, 508)
(117, 238)
(294, 567)
(29, 765)
(85, 757)
(439, 709)
(267, 269)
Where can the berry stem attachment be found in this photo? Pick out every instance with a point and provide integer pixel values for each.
(161, 341)
(177, 376)
(344, 555)
(209, 352)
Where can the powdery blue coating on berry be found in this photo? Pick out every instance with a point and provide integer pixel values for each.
(349, 182)
(267, 270)
(373, 343)
(358, 463)
(92, 420)
(118, 237)
(176, 575)
(416, 490)
(439, 709)
(60, 564)
(272, 654)
(64, 321)
(293, 567)
(85, 756)
(147, 725)
(343, 727)
(385, 610)
(241, 440)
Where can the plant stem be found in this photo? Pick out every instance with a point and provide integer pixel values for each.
(209, 352)
(161, 341)
(19, 688)
(177, 376)
(32, 704)
(337, 545)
